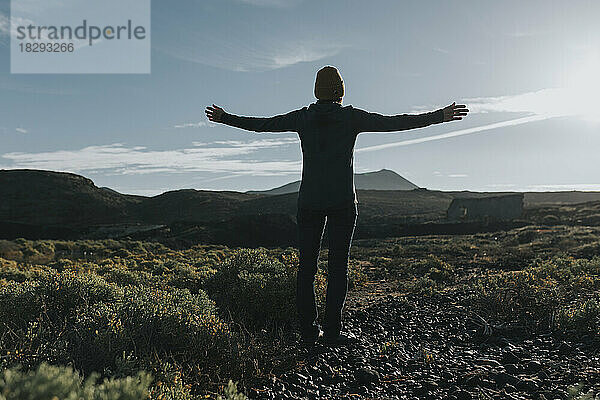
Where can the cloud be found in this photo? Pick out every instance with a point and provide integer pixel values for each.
(440, 174)
(460, 132)
(258, 43)
(301, 53)
(546, 187)
(569, 186)
(21, 130)
(116, 159)
(576, 100)
(549, 102)
(253, 144)
(36, 89)
(521, 33)
(4, 30)
(271, 3)
(38, 7)
(245, 55)
(9, 26)
(578, 97)
(4, 24)
(194, 125)
(501, 185)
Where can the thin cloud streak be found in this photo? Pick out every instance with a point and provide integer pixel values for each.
(26, 88)
(460, 132)
(561, 187)
(543, 104)
(589, 187)
(251, 57)
(550, 102)
(4, 25)
(271, 3)
(8, 27)
(194, 125)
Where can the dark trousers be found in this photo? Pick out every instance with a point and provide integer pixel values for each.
(340, 228)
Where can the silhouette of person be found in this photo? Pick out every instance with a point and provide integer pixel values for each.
(327, 195)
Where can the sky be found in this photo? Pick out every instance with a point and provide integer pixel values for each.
(526, 70)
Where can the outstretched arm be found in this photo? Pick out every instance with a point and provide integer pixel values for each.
(373, 122)
(279, 123)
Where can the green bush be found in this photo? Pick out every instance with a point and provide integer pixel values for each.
(255, 289)
(185, 276)
(525, 297)
(423, 285)
(59, 382)
(231, 393)
(581, 319)
(534, 295)
(63, 317)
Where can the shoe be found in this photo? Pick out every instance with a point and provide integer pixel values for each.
(311, 340)
(339, 340)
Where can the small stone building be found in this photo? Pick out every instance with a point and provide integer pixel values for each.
(502, 207)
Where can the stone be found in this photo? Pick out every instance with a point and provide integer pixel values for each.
(510, 358)
(366, 376)
(463, 395)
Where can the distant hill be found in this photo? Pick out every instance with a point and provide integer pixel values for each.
(54, 198)
(39, 204)
(384, 179)
(189, 205)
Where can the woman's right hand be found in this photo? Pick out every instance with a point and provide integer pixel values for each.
(214, 113)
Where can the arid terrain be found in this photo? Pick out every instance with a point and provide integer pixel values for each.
(490, 309)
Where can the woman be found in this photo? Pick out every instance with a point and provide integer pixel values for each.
(327, 132)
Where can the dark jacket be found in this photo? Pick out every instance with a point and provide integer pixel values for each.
(327, 133)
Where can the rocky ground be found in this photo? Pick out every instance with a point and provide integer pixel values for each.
(427, 347)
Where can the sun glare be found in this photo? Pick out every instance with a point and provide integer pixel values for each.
(583, 89)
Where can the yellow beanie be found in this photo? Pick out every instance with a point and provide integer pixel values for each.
(329, 84)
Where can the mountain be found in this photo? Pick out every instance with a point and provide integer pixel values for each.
(384, 179)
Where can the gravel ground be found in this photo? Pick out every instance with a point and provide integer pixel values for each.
(429, 347)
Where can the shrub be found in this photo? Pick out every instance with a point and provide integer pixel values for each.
(533, 295)
(433, 268)
(58, 382)
(186, 276)
(148, 321)
(10, 271)
(254, 289)
(231, 393)
(517, 296)
(85, 320)
(580, 320)
(122, 276)
(422, 285)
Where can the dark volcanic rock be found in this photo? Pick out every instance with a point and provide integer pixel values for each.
(405, 351)
(366, 375)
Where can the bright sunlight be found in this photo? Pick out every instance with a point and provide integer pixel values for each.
(583, 87)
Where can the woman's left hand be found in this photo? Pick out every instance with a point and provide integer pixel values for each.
(455, 112)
